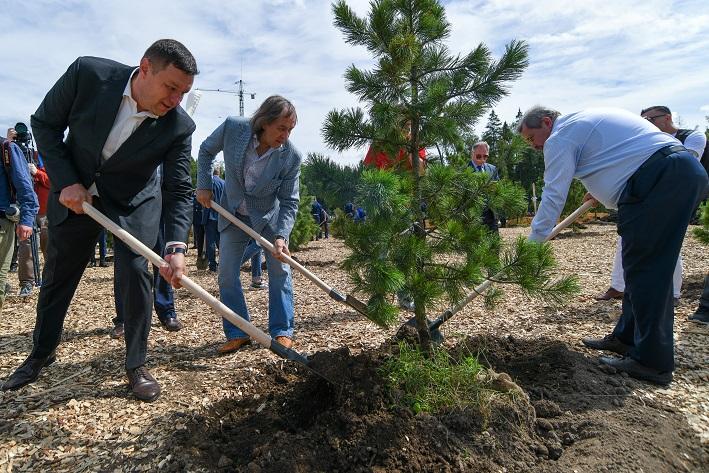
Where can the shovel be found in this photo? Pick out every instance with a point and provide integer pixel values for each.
(450, 312)
(351, 301)
(253, 332)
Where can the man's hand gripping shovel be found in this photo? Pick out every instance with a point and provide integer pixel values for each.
(221, 309)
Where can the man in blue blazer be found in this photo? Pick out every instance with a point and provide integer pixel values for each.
(262, 169)
(123, 122)
(210, 219)
(478, 161)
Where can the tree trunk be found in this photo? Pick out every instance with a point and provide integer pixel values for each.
(422, 328)
(419, 228)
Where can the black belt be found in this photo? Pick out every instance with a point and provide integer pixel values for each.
(662, 153)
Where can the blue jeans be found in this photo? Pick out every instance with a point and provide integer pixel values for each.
(101, 240)
(280, 288)
(253, 252)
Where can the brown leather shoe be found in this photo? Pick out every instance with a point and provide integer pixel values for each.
(608, 343)
(233, 345)
(171, 324)
(285, 341)
(117, 331)
(611, 293)
(143, 384)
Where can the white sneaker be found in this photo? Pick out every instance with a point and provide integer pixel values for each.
(258, 285)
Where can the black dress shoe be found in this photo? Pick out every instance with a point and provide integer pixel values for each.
(700, 317)
(27, 372)
(143, 384)
(171, 324)
(608, 343)
(117, 332)
(611, 293)
(638, 370)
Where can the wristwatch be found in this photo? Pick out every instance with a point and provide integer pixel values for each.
(281, 237)
(175, 249)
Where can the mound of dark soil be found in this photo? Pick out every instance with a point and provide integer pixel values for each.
(299, 422)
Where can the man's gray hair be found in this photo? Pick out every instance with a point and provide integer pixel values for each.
(271, 110)
(480, 143)
(533, 117)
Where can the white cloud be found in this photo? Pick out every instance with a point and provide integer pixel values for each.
(629, 53)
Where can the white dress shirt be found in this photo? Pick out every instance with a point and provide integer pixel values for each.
(695, 142)
(128, 119)
(601, 147)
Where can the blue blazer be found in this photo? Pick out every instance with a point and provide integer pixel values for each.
(217, 191)
(274, 200)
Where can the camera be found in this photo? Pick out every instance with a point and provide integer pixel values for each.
(23, 134)
(23, 139)
(13, 213)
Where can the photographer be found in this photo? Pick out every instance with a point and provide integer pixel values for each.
(29, 273)
(18, 204)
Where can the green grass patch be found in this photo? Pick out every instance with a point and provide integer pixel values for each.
(436, 383)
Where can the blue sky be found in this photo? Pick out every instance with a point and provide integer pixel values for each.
(624, 53)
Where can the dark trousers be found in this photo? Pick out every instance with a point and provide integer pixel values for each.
(198, 233)
(704, 300)
(163, 295)
(490, 221)
(653, 215)
(316, 217)
(69, 249)
(102, 246)
(324, 226)
(212, 243)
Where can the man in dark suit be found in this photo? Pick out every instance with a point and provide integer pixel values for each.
(478, 161)
(123, 123)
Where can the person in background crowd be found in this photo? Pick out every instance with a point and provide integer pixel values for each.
(209, 219)
(254, 253)
(349, 210)
(26, 270)
(101, 240)
(316, 211)
(324, 223)
(163, 297)
(18, 205)
(478, 162)
(198, 233)
(360, 216)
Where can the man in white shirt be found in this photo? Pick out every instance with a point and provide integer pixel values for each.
(695, 142)
(660, 116)
(627, 164)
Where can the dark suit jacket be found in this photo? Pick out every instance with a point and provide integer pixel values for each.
(86, 100)
(491, 169)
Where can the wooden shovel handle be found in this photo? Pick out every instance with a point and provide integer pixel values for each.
(186, 282)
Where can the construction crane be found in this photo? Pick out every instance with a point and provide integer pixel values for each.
(196, 94)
